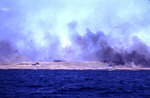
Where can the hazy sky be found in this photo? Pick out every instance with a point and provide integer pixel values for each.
(42, 26)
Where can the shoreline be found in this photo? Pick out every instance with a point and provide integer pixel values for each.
(92, 65)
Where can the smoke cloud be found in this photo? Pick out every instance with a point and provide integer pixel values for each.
(115, 31)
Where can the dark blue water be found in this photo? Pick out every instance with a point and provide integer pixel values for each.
(74, 83)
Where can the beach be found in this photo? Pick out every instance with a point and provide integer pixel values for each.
(88, 65)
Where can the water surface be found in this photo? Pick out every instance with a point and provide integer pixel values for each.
(74, 83)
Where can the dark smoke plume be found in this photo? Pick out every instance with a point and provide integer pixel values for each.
(95, 47)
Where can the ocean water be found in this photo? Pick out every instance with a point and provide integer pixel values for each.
(74, 84)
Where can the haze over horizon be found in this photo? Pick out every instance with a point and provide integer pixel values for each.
(89, 30)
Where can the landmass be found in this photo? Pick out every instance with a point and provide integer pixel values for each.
(60, 65)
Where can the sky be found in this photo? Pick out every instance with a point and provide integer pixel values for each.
(45, 30)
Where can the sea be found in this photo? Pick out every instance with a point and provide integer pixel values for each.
(21, 83)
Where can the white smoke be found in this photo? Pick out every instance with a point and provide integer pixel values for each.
(44, 29)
